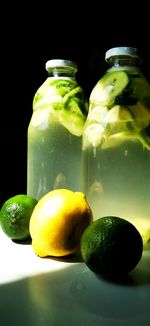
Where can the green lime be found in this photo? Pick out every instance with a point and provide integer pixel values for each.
(15, 216)
(111, 246)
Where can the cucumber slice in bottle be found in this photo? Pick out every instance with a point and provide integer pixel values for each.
(116, 140)
(118, 119)
(94, 133)
(72, 121)
(63, 86)
(77, 95)
(109, 87)
(52, 91)
(119, 113)
(74, 112)
(141, 114)
(97, 114)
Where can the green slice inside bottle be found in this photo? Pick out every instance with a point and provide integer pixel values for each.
(109, 87)
(118, 119)
(52, 92)
(63, 99)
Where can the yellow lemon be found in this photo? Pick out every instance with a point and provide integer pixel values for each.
(58, 221)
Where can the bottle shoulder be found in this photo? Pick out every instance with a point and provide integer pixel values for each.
(127, 68)
(120, 86)
(60, 99)
(56, 81)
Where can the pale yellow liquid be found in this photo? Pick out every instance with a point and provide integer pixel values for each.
(54, 159)
(116, 182)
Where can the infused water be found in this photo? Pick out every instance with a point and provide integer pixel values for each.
(55, 131)
(116, 143)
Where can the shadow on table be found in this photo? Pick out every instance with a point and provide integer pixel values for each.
(74, 296)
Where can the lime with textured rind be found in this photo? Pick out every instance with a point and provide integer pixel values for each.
(111, 246)
(15, 216)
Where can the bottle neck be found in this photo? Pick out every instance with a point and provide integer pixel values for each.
(61, 72)
(124, 61)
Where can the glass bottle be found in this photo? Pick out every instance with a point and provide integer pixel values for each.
(116, 142)
(55, 131)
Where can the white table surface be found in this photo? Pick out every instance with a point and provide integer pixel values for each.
(38, 291)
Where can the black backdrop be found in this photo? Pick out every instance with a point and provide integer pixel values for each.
(30, 38)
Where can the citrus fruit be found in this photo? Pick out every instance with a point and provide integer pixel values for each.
(58, 221)
(111, 246)
(15, 215)
(118, 119)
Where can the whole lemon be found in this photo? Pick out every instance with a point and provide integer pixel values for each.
(58, 221)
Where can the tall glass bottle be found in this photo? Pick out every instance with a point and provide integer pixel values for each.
(116, 142)
(55, 130)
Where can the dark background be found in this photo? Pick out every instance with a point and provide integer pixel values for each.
(31, 37)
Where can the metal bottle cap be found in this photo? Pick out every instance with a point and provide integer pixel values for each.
(122, 51)
(58, 63)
